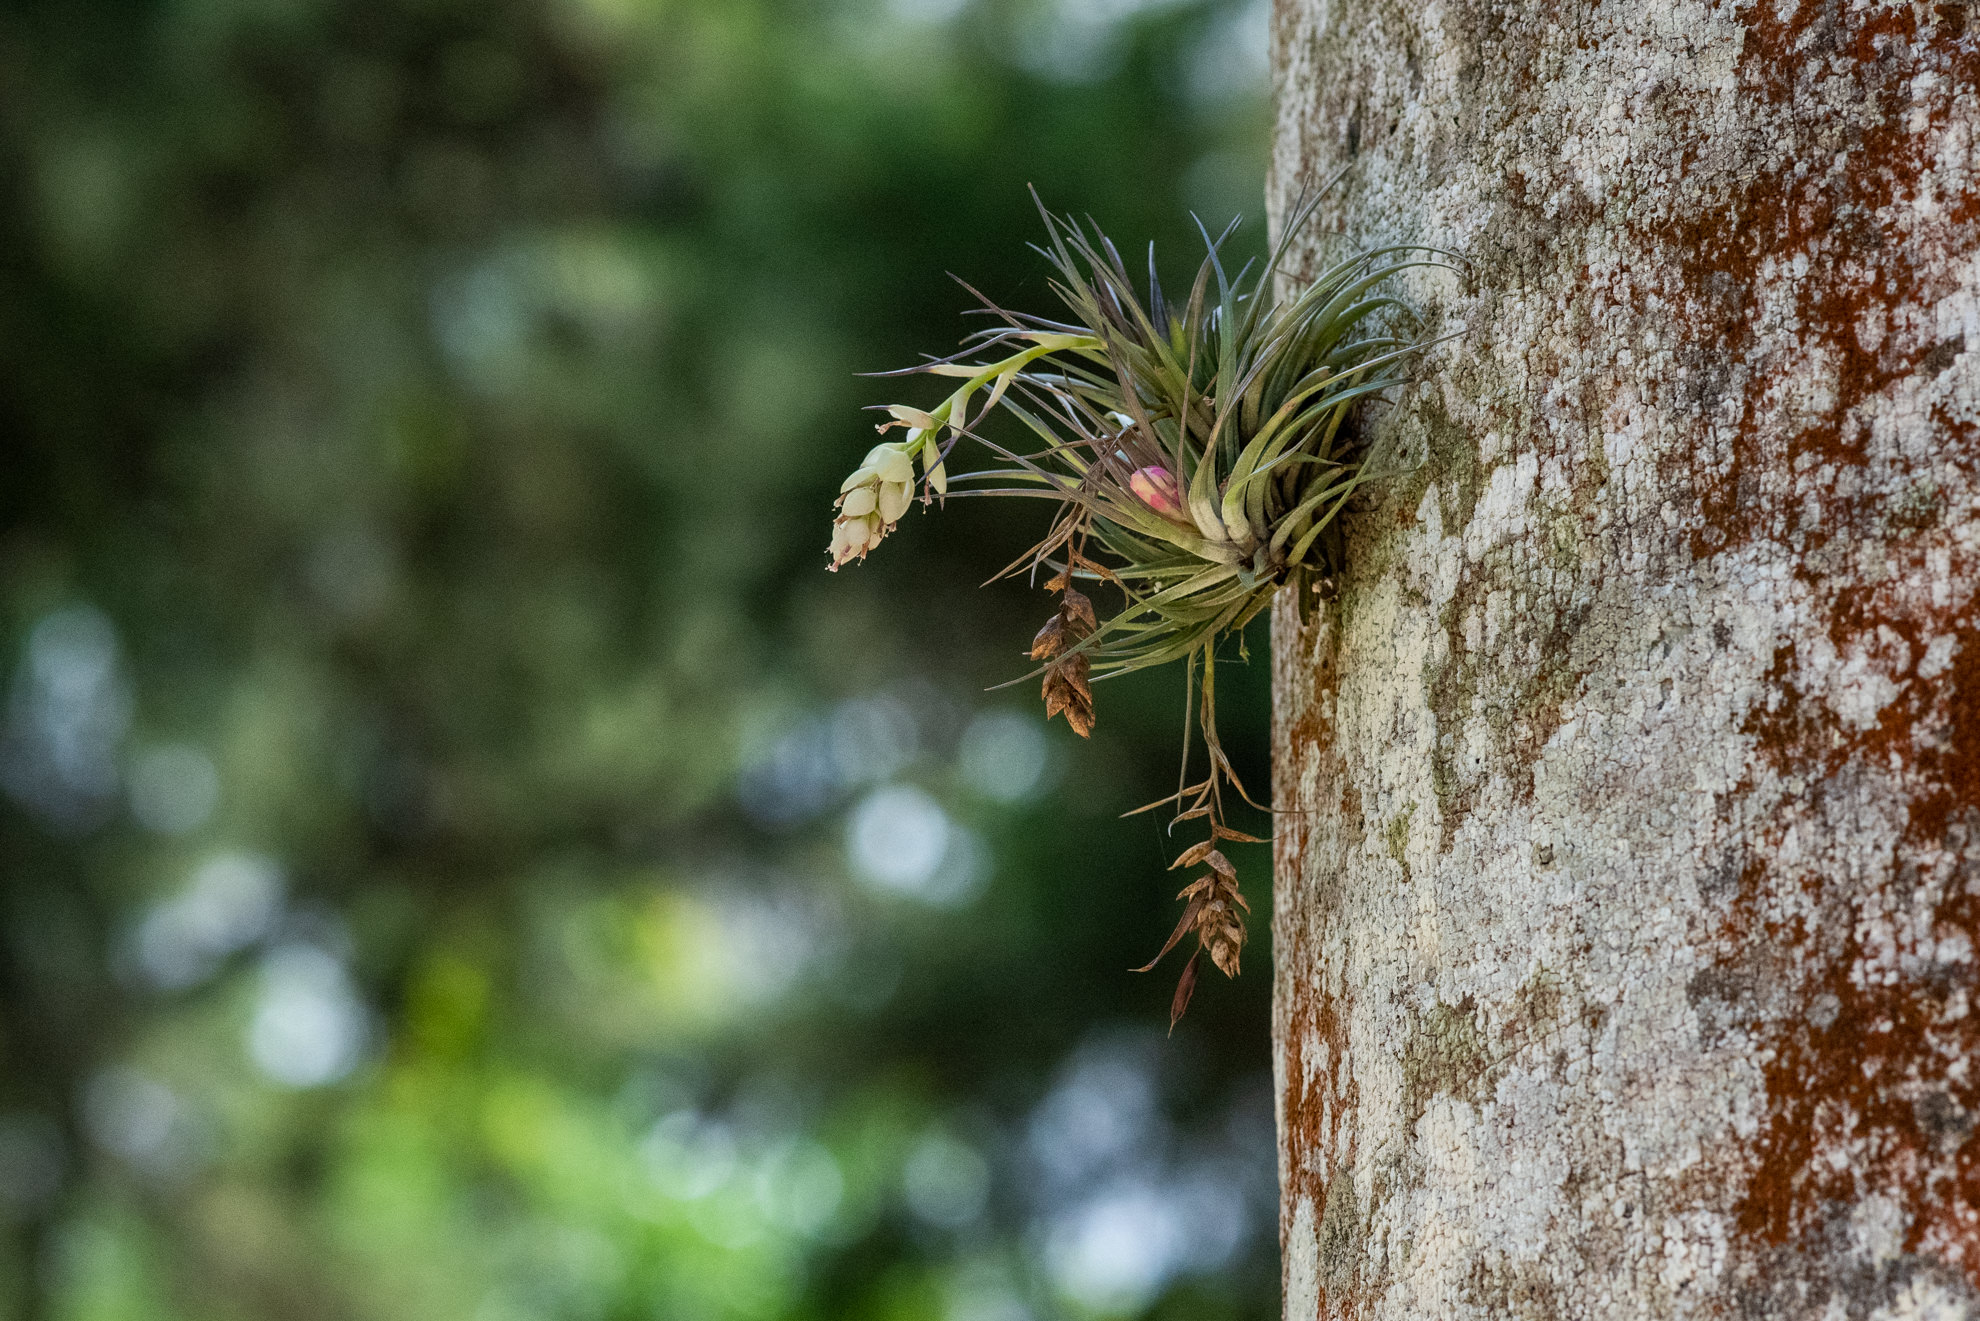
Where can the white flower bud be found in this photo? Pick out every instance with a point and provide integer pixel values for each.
(858, 502)
(892, 464)
(841, 548)
(852, 538)
(895, 497)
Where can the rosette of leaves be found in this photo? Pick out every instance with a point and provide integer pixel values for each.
(1199, 453)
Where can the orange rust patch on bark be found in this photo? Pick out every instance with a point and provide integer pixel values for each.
(1956, 763)
(1798, 735)
(1303, 681)
(1865, 1100)
(1868, 1089)
(1307, 1109)
(1317, 1109)
(1846, 215)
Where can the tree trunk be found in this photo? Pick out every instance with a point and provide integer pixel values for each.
(1629, 852)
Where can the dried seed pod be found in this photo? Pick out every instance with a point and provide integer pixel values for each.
(1211, 911)
(1067, 692)
(1067, 688)
(1051, 639)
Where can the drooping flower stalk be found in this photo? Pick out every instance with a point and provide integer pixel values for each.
(872, 500)
(1199, 455)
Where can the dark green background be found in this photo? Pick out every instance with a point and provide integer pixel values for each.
(436, 761)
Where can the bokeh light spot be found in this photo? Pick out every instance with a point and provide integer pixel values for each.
(231, 901)
(173, 788)
(946, 1181)
(1004, 756)
(799, 1185)
(897, 838)
(308, 1027)
(689, 1156)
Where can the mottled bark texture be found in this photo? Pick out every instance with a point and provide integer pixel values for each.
(1630, 839)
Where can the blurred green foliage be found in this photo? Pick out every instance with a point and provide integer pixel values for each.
(461, 856)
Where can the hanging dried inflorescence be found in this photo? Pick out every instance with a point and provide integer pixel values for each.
(1211, 905)
(1067, 690)
(1199, 459)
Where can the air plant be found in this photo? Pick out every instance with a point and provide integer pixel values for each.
(1200, 455)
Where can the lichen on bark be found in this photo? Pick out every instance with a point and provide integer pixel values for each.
(1629, 791)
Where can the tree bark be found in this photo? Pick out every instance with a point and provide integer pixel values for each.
(1629, 848)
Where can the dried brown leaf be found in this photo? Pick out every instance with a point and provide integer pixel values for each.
(1185, 987)
(1194, 854)
(1182, 929)
(1149, 807)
